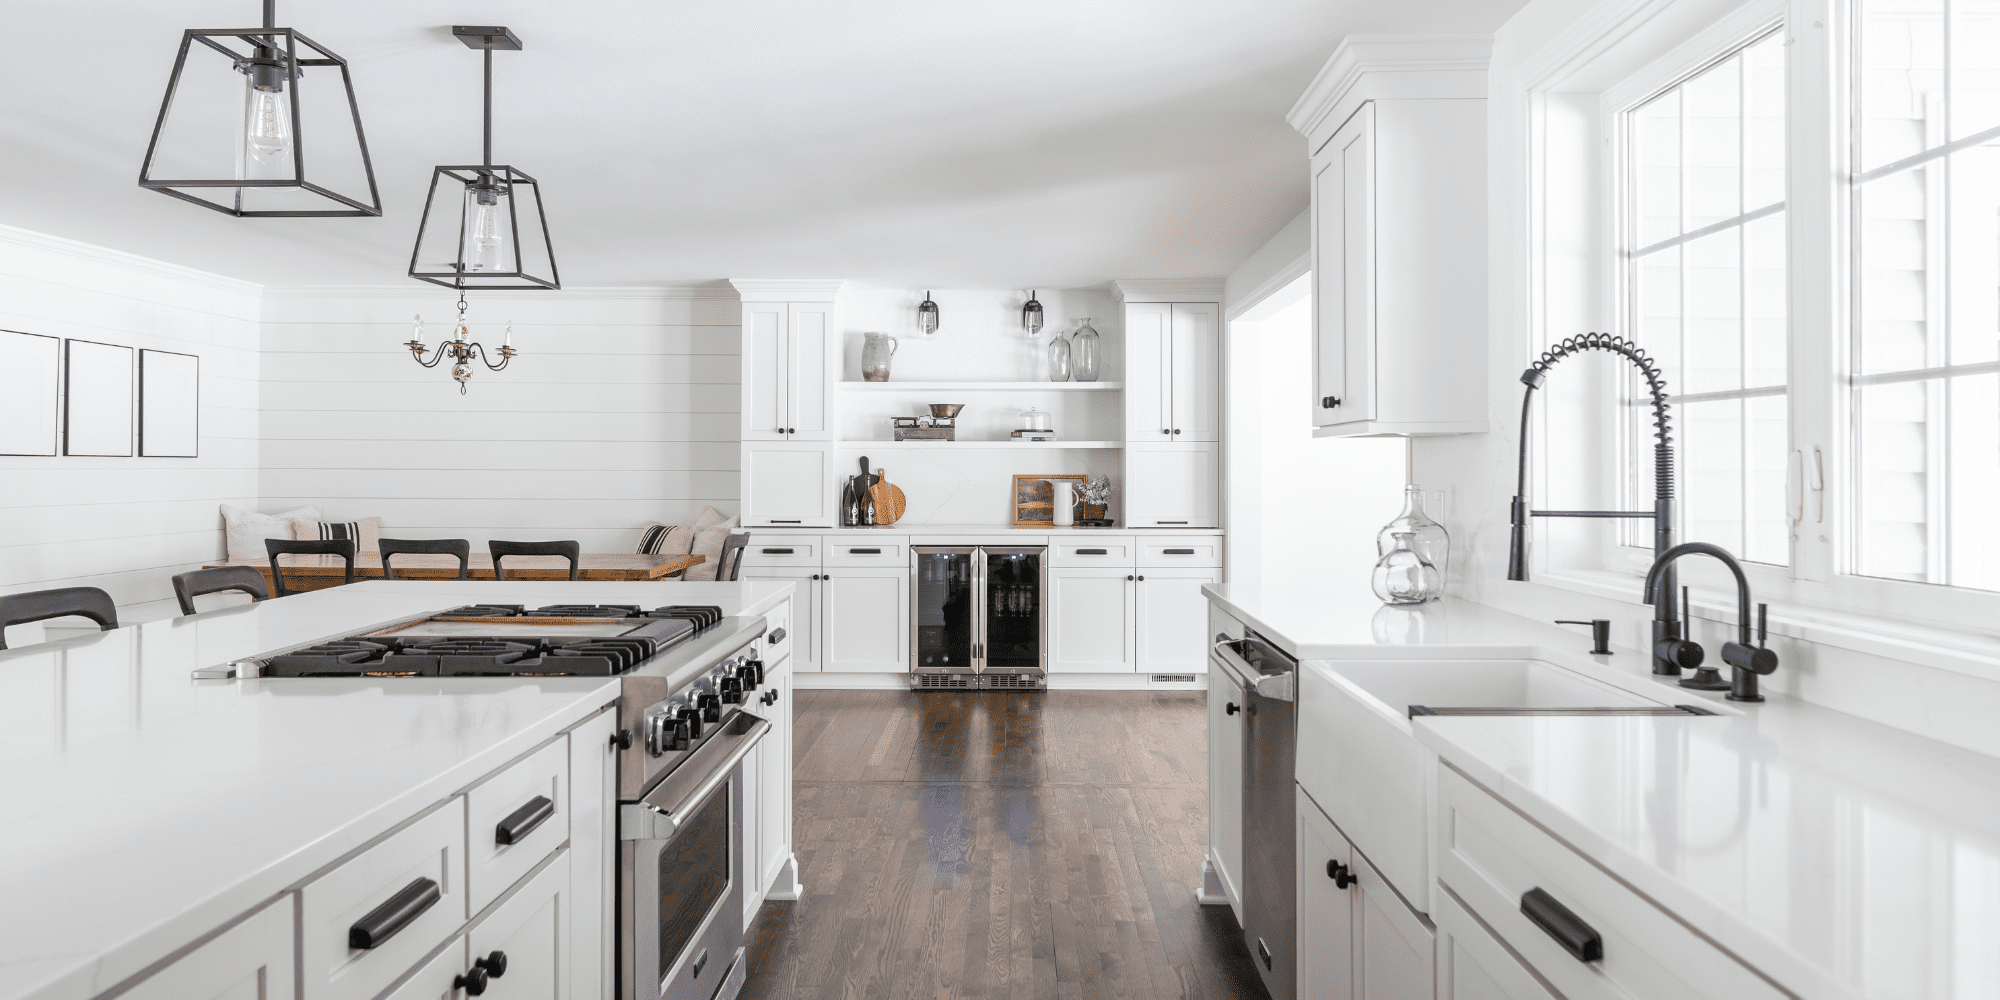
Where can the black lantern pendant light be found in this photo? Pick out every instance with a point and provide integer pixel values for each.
(472, 234)
(927, 316)
(203, 121)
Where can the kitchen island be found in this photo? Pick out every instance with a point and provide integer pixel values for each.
(1769, 849)
(151, 819)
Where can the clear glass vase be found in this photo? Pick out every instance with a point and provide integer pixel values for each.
(1083, 346)
(1059, 360)
(1403, 577)
(1427, 537)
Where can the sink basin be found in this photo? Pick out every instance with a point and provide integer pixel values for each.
(1356, 744)
(1459, 685)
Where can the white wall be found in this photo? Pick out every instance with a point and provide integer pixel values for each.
(621, 408)
(1944, 687)
(128, 524)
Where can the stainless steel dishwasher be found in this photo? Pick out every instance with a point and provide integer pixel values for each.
(1270, 748)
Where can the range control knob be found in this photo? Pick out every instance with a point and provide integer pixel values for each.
(687, 727)
(748, 675)
(732, 691)
(711, 707)
(756, 666)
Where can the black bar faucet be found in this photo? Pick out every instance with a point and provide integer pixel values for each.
(1748, 662)
(1669, 655)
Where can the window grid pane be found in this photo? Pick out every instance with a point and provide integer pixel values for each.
(1712, 310)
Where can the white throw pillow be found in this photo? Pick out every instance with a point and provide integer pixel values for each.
(708, 544)
(247, 529)
(366, 534)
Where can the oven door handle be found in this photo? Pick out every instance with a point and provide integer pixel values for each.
(660, 814)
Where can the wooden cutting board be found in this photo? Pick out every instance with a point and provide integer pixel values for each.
(888, 499)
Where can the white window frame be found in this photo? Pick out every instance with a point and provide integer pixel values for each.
(1626, 53)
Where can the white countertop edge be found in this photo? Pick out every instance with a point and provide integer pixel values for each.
(89, 977)
(1749, 944)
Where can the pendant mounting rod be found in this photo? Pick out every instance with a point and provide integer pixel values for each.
(487, 39)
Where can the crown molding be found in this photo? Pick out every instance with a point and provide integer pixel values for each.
(788, 289)
(1167, 289)
(30, 240)
(1384, 67)
(704, 290)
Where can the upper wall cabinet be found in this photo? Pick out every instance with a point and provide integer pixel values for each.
(1173, 357)
(1398, 132)
(791, 358)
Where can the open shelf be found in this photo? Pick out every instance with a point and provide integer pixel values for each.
(972, 445)
(980, 386)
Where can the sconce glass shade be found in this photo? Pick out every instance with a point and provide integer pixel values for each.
(238, 117)
(1031, 316)
(927, 316)
(484, 229)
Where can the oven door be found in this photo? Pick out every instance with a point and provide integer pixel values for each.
(681, 865)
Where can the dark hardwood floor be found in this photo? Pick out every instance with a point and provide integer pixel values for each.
(996, 844)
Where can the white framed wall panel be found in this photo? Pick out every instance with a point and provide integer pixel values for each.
(169, 404)
(30, 393)
(97, 399)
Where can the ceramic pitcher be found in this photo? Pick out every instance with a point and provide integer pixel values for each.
(876, 350)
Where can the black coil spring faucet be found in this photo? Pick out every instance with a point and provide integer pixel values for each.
(1670, 653)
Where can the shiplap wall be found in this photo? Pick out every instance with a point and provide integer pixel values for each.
(128, 524)
(622, 408)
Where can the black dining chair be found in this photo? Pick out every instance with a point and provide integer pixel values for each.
(568, 550)
(429, 546)
(729, 562)
(41, 605)
(195, 583)
(342, 547)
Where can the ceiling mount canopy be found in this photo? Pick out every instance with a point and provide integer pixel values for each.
(483, 225)
(241, 97)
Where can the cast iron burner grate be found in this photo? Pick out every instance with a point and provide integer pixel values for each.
(485, 611)
(466, 657)
(700, 616)
(586, 611)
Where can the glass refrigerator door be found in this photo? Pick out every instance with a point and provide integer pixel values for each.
(1013, 625)
(941, 610)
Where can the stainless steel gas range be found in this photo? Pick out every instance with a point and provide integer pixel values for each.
(692, 683)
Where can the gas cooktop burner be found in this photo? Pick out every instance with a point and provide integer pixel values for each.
(467, 657)
(484, 611)
(700, 616)
(586, 611)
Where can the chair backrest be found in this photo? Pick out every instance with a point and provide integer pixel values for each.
(41, 605)
(568, 550)
(729, 562)
(431, 546)
(342, 547)
(194, 583)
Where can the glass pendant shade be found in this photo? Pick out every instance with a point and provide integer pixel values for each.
(1032, 316)
(241, 111)
(927, 316)
(1085, 352)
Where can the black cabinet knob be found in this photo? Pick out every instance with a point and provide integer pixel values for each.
(1177, 430)
(622, 739)
(495, 964)
(1231, 708)
(1341, 875)
(473, 982)
(1329, 402)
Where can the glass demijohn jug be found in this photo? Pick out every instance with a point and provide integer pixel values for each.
(1427, 537)
(1083, 349)
(1403, 577)
(1058, 358)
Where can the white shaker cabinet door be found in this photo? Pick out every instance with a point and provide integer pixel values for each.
(767, 371)
(866, 619)
(774, 811)
(1343, 235)
(802, 637)
(1473, 965)
(439, 978)
(1173, 620)
(1326, 906)
(1172, 485)
(787, 484)
(1225, 782)
(814, 353)
(531, 929)
(253, 960)
(1393, 950)
(1090, 620)
(1149, 372)
(1196, 359)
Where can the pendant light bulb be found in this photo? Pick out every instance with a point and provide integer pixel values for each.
(486, 236)
(267, 128)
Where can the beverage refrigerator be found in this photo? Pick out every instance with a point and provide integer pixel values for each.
(978, 618)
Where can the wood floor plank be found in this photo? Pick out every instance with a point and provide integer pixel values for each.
(999, 845)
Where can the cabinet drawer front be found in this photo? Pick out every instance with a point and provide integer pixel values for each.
(330, 907)
(778, 642)
(891, 551)
(782, 550)
(1490, 856)
(250, 961)
(514, 820)
(1095, 552)
(1166, 550)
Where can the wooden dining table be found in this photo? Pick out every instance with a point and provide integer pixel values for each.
(318, 572)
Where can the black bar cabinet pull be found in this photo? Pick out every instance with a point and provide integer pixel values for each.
(521, 822)
(1169, 522)
(1093, 552)
(1560, 923)
(864, 552)
(403, 908)
(776, 521)
(1180, 552)
(777, 636)
(777, 552)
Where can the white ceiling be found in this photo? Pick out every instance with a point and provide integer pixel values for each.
(906, 143)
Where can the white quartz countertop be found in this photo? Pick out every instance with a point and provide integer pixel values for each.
(982, 529)
(1839, 856)
(140, 809)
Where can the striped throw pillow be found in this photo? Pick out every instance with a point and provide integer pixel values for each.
(665, 539)
(366, 534)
